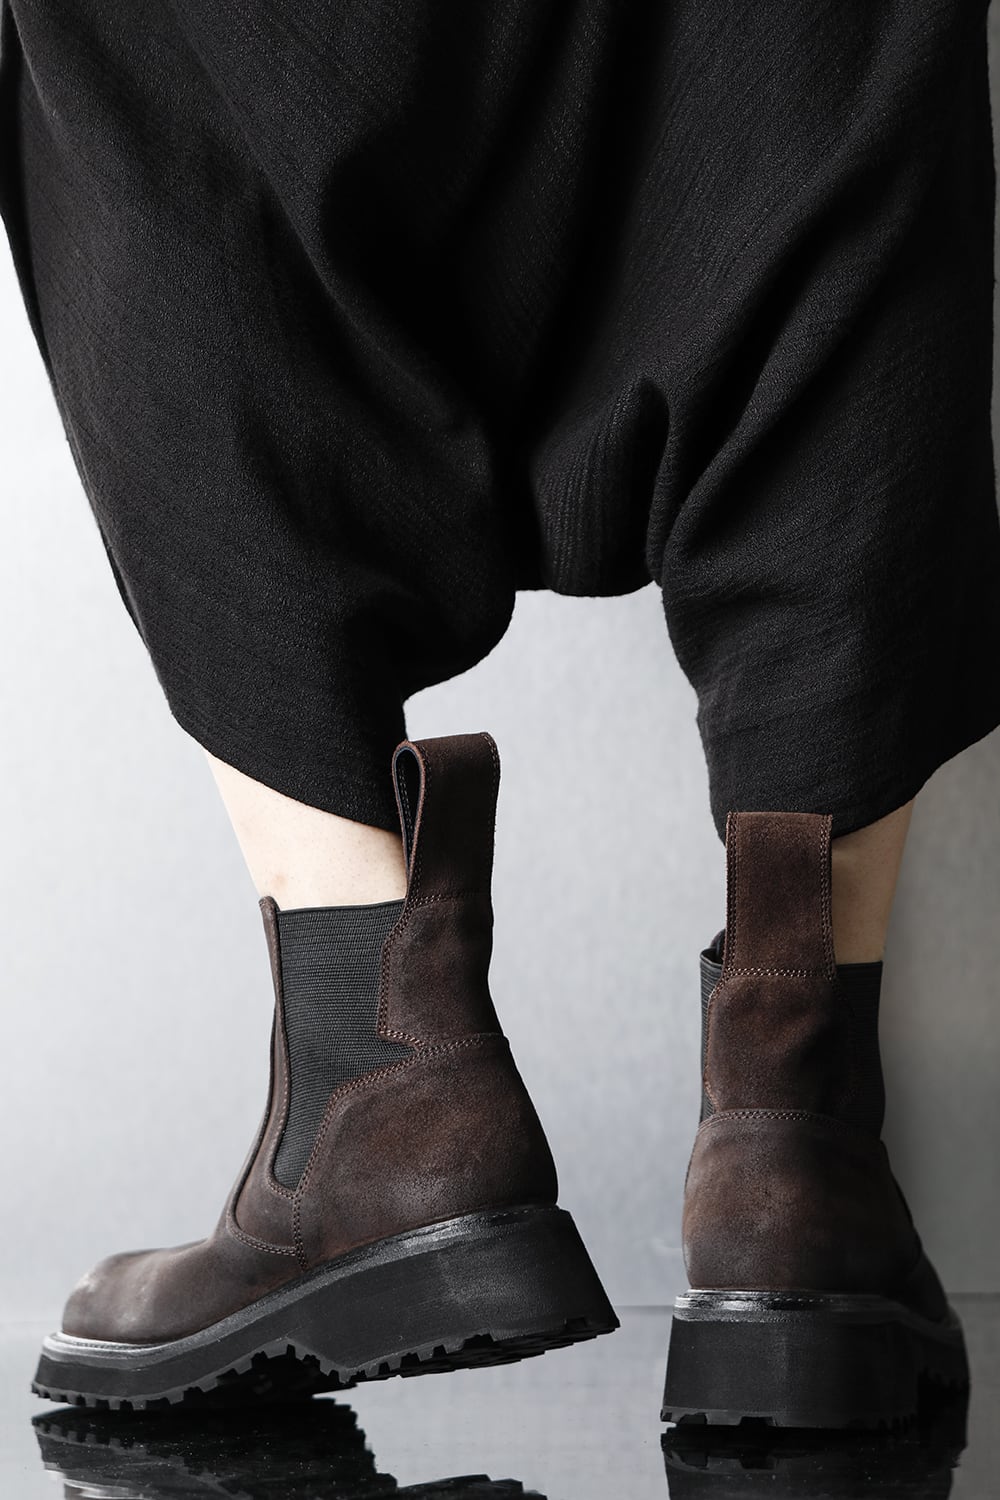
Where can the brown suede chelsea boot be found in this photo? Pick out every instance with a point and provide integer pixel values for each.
(396, 1214)
(811, 1301)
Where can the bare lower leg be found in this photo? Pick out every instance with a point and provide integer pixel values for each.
(303, 856)
(865, 867)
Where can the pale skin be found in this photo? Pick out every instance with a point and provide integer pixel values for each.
(303, 856)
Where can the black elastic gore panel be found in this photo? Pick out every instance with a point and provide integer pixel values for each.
(329, 972)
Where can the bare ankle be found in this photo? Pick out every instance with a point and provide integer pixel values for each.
(864, 871)
(305, 856)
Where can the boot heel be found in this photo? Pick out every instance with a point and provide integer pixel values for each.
(803, 1359)
(481, 1289)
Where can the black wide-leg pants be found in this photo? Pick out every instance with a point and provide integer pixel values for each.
(362, 315)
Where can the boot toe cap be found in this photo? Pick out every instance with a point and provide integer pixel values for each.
(115, 1301)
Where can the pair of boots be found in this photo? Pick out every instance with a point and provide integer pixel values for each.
(397, 1211)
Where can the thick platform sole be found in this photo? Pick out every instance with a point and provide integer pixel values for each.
(482, 1289)
(805, 1360)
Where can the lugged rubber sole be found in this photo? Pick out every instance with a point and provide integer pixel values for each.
(805, 1359)
(486, 1288)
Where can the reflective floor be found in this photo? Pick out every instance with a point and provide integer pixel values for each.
(578, 1424)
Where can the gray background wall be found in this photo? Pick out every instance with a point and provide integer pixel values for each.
(132, 958)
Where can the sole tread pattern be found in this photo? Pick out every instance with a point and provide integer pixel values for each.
(286, 1373)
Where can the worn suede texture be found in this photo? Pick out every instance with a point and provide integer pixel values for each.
(789, 1186)
(775, 1037)
(449, 1131)
(444, 1135)
(816, 1206)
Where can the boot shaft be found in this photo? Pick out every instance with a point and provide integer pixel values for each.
(435, 963)
(783, 1025)
(789, 1185)
(434, 1119)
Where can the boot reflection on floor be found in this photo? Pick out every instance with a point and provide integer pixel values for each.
(742, 1463)
(310, 1450)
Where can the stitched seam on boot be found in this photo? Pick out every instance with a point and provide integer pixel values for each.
(382, 1026)
(705, 1083)
(256, 1244)
(368, 1080)
(826, 910)
(270, 1181)
(414, 876)
(408, 819)
(450, 893)
(826, 876)
(384, 1030)
(797, 972)
(495, 757)
(807, 1116)
(732, 916)
(710, 1017)
(412, 884)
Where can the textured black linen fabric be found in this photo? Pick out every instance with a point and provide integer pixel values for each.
(363, 316)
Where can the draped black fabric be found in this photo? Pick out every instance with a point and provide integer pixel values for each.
(363, 315)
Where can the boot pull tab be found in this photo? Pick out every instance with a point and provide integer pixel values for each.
(446, 792)
(778, 902)
(407, 779)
